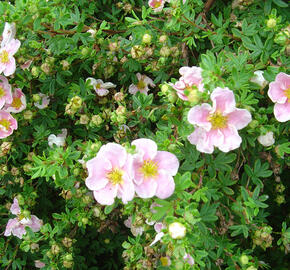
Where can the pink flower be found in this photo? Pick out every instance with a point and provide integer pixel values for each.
(5, 92)
(100, 87)
(279, 92)
(153, 170)
(109, 174)
(43, 103)
(16, 226)
(7, 61)
(7, 124)
(18, 102)
(218, 125)
(156, 5)
(39, 264)
(188, 259)
(189, 83)
(142, 85)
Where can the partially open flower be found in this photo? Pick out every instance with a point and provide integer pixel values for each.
(43, 103)
(100, 87)
(7, 124)
(189, 83)
(142, 85)
(58, 140)
(156, 5)
(5, 92)
(18, 103)
(218, 125)
(259, 79)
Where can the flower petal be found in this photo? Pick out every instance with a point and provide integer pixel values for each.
(106, 196)
(282, 112)
(147, 189)
(165, 186)
(239, 118)
(223, 100)
(115, 153)
(167, 161)
(232, 139)
(198, 115)
(200, 140)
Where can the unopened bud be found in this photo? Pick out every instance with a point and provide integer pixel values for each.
(162, 38)
(84, 119)
(271, 23)
(164, 51)
(176, 230)
(146, 38)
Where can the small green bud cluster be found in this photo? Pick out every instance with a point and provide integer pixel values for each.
(263, 237)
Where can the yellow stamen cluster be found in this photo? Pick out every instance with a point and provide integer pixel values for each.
(141, 85)
(16, 103)
(115, 176)
(218, 120)
(2, 92)
(5, 123)
(287, 93)
(4, 57)
(149, 169)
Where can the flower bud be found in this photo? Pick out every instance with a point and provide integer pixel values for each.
(96, 211)
(67, 242)
(55, 249)
(267, 139)
(172, 97)
(65, 64)
(280, 199)
(271, 23)
(36, 97)
(85, 51)
(27, 167)
(76, 102)
(113, 46)
(244, 259)
(174, 51)
(121, 110)
(164, 51)
(96, 120)
(84, 119)
(3, 169)
(164, 89)
(93, 32)
(35, 71)
(49, 60)
(176, 230)
(34, 247)
(137, 51)
(162, 39)
(146, 38)
(5, 148)
(280, 188)
(14, 171)
(67, 264)
(251, 268)
(85, 220)
(45, 68)
(119, 96)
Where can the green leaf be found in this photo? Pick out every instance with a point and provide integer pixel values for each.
(280, 3)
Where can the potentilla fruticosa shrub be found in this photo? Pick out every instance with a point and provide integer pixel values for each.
(144, 134)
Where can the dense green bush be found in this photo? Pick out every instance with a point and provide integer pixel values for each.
(144, 134)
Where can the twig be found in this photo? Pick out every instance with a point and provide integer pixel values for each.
(208, 5)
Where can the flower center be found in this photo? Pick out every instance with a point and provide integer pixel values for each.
(16, 103)
(2, 92)
(98, 85)
(149, 169)
(4, 57)
(5, 124)
(217, 120)
(141, 84)
(164, 261)
(157, 3)
(115, 176)
(287, 93)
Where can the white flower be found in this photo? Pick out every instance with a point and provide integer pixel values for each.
(176, 230)
(8, 33)
(142, 85)
(267, 139)
(93, 32)
(259, 79)
(157, 238)
(44, 101)
(100, 87)
(58, 140)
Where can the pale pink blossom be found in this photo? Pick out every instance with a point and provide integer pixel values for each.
(156, 5)
(44, 102)
(190, 82)
(188, 259)
(279, 92)
(110, 174)
(100, 87)
(26, 65)
(58, 140)
(16, 226)
(153, 170)
(259, 79)
(7, 61)
(8, 34)
(5, 92)
(218, 125)
(18, 103)
(7, 124)
(39, 264)
(142, 85)
(267, 139)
